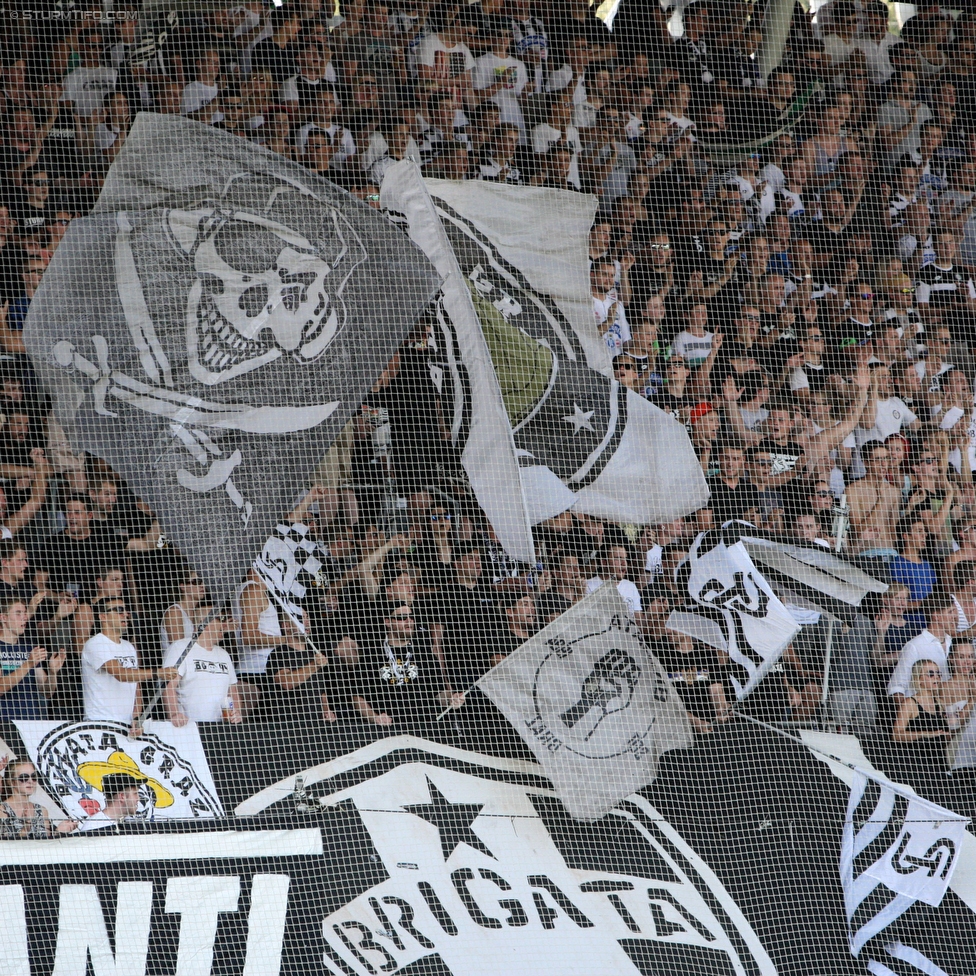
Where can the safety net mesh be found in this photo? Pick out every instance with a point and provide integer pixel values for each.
(487, 488)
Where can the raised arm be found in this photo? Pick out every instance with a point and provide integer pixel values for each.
(42, 470)
(823, 443)
(370, 570)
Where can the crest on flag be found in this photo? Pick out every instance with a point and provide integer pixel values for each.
(598, 720)
(167, 764)
(897, 849)
(535, 422)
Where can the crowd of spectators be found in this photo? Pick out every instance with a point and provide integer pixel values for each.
(783, 264)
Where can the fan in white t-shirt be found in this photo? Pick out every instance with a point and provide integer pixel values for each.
(694, 349)
(608, 309)
(501, 79)
(443, 56)
(200, 97)
(110, 672)
(87, 87)
(892, 416)
(207, 679)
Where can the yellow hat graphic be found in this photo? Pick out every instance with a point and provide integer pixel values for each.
(94, 772)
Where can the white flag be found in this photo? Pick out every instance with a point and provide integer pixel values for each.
(593, 705)
(725, 586)
(167, 764)
(541, 424)
(897, 849)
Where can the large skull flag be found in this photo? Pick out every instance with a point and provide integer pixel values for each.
(213, 325)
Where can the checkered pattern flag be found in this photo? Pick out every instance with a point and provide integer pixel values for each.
(288, 566)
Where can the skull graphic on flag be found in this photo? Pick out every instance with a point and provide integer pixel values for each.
(219, 316)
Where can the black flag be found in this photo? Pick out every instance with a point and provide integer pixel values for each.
(213, 325)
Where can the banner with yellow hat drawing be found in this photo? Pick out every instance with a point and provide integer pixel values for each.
(167, 764)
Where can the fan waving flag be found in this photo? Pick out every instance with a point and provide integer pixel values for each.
(592, 703)
(213, 325)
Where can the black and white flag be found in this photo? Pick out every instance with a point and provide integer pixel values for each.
(897, 849)
(729, 596)
(168, 764)
(212, 326)
(540, 429)
(288, 565)
(592, 703)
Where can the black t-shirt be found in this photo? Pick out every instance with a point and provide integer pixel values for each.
(267, 56)
(304, 700)
(435, 575)
(13, 258)
(577, 542)
(694, 62)
(459, 603)
(472, 627)
(731, 503)
(59, 152)
(403, 682)
(671, 404)
(824, 241)
(358, 615)
(415, 419)
(784, 456)
(561, 28)
(18, 451)
(692, 675)
(20, 591)
(74, 564)
(942, 287)
(713, 270)
(30, 219)
(647, 280)
(551, 604)
(309, 91)
(125, 521)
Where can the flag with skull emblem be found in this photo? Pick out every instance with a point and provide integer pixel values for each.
(592, 703)
(213, 325)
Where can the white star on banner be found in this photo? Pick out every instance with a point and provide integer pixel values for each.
(579, 419)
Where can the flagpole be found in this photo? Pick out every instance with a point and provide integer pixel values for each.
(160, 685)
(827, 654)
(451, 708)
(906, 792)
(467, 691)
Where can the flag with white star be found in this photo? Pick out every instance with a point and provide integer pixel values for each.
(537, 415)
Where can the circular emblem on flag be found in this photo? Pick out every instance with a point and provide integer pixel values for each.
(584, 689)
(74, 759)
